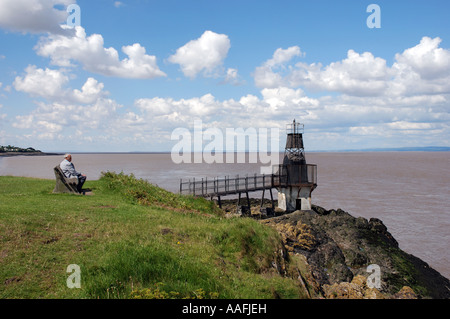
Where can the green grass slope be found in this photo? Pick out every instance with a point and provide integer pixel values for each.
(132, 240)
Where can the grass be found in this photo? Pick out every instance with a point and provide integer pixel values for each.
(131, 239)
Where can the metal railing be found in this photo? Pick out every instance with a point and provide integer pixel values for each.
(295, 175)
(226, 186)
(285, 175)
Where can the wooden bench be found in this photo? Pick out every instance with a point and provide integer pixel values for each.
(64, 184)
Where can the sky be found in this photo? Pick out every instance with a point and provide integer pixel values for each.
(125, 76)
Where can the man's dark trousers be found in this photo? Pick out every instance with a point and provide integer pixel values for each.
(81, 180)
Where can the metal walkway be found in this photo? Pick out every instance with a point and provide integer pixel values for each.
(217, 187)
(304, 174)
(228, 186)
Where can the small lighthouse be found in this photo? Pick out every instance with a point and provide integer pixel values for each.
(297, 179)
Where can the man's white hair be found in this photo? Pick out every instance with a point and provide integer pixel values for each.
(67, 155)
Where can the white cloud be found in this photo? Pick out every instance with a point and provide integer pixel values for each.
(59, 120)
(51, 85)
(204, 54)
(423, 69)
(89, 51)
(333, 122)
(427, 59)
(118, 4)
(358, 74)
(90, 91)
(249, 110)
(33, 16)
(281, 56)
(203, 106)
(232, 74)
(39, 82)
(232, 77)
(266, 76)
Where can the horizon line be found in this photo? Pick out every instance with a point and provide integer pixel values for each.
(375, 149)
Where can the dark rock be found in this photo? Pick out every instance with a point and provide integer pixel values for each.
(377, 226)
(362, 223)
(320, 210)
(338, 247)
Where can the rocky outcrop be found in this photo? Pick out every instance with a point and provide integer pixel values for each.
(338, 248)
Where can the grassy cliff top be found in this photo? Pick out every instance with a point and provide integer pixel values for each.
(132, 240)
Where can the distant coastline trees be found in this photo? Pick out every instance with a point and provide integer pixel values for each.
(9, 148)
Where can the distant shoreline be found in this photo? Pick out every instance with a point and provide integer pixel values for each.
(10, 154)
(398, 149)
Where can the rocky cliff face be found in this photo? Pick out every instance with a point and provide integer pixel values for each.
(337, 248)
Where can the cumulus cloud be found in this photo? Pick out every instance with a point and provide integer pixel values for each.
(281, 56)
(376, 102)
(90, 91)
(328, 118)
(51, 85)
(249, 110)
(427, 59)
(358, 74)
(204, 54)
(90, 52)
(423, 69)
(56, 120)
(33, 16)
(39, 82)
(267, 75)
(63, 110)
(334, 122)
(232, 77)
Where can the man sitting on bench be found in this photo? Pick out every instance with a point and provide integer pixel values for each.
(69, 171)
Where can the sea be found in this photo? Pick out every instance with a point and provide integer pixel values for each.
(409, 191)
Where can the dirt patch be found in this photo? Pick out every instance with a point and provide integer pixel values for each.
(3, 254)
(12, 280)
(166, 231)
(50, 240)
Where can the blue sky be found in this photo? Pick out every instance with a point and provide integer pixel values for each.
(135, 71)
